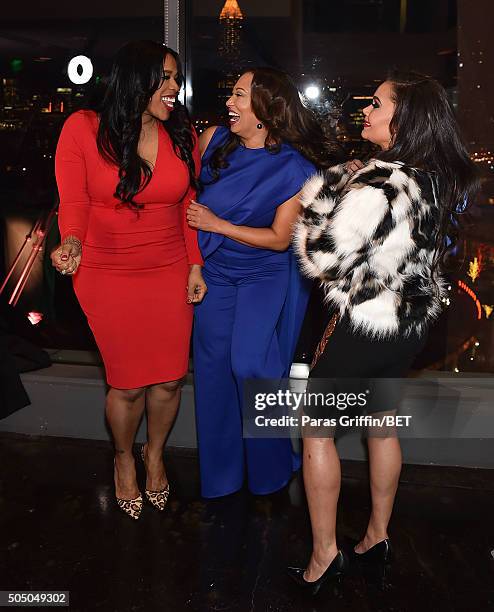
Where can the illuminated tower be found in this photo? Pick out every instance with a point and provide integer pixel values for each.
(231, 18)
(10, 93)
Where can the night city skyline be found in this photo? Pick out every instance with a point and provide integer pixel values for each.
(340, 54)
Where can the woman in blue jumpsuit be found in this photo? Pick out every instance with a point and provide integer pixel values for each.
(248, 324)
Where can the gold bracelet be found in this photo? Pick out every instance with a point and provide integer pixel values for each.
(72, 240)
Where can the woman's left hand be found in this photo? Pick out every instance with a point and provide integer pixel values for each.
(196, 286)
(200, 217)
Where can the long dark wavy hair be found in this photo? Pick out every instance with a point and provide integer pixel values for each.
(276, 102)
(136, 74)
(425, 135)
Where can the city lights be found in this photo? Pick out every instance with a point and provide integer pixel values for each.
(474, 269)
(39, 88)
(488, 308)
(471, 294)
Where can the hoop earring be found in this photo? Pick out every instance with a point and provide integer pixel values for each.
(259, 126)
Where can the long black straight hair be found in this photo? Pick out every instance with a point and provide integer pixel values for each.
(136, 74)
(425, 134)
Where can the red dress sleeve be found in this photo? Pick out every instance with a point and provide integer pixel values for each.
(190, 234)
(70, 171)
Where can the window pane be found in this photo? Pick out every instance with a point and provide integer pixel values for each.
(36, 95)
(338, 52)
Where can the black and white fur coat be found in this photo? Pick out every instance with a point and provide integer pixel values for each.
(370, 239)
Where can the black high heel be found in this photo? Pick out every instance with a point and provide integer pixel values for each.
(379, 553)
(376, 561)
(336, 569)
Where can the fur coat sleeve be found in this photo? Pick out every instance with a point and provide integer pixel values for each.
(370, 239)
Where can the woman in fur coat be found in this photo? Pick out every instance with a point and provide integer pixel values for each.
(375, 238)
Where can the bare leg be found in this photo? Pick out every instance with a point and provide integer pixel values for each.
(322, 479)
(162, 405)
(384, 467)
(124, 409)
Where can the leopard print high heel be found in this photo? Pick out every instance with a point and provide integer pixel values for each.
(131, 507)
(157, 498)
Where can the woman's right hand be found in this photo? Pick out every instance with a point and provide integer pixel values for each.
(353, 165)
(67, 256)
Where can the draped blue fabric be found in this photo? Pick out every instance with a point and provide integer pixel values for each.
(250, 190)
(250, 319)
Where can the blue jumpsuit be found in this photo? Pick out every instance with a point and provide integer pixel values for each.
(249, 321)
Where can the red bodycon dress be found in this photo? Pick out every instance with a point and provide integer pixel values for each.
(132, 279)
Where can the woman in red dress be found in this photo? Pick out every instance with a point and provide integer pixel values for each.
(125, 175)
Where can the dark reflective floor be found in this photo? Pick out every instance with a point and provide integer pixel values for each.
(60, 529)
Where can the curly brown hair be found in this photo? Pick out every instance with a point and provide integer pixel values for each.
(277, 104)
